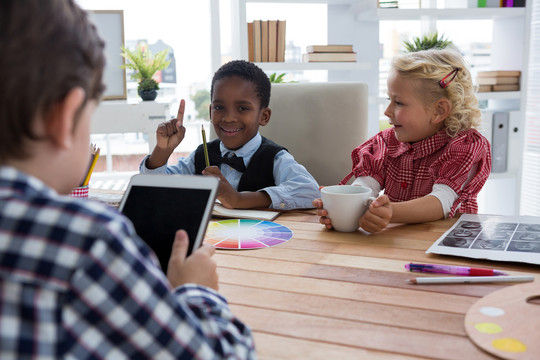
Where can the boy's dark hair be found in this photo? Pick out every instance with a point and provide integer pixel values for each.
(47, 48)
(249, 72)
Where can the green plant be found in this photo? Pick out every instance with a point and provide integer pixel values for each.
(148, 84)
(145, 64)
(425, 42)
(276, 79)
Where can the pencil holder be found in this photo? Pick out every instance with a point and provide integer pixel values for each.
(80, 192)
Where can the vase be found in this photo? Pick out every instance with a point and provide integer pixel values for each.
(148, 95)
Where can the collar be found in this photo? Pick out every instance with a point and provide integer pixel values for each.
(246, 151)
(420, 148)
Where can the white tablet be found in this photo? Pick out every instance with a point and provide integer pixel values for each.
(159, 205)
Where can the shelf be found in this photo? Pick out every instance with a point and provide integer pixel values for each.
(441, 14)
(499, 95)
(330, 2)
(285, 66)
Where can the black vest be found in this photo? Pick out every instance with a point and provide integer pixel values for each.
(260, 172)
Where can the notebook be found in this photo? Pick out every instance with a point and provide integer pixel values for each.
(222, 211)
(159, 205)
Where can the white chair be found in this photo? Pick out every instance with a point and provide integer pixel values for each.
(320, 124)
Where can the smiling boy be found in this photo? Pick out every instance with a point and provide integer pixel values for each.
(254, 171)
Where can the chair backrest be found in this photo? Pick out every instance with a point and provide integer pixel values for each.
(320, 124)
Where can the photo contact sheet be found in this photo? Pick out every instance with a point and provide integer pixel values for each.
(492, 237)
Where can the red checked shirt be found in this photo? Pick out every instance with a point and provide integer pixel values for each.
(407, 171)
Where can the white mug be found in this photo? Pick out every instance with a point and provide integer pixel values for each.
(345, 205)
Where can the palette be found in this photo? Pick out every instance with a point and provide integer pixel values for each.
(506, 322)
(246, 234)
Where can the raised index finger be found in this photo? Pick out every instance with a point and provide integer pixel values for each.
(180, 115)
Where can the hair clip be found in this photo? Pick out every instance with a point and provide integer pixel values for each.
(444, 83)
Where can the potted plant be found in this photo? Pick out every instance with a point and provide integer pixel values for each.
(145, 65)
(425, 42)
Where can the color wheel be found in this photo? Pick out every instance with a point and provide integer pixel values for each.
(246, 234)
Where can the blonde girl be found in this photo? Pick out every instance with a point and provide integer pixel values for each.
(432, 162)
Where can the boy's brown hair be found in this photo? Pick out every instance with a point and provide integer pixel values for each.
(47, 48)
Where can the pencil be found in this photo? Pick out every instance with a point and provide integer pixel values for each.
(470, 279)
(95, 156)
(206, 160)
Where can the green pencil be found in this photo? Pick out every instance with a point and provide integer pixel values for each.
(206, 160)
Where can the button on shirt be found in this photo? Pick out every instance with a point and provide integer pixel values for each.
(295, 187)
(76, 282)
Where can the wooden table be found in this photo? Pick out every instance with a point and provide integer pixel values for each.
(330, 295)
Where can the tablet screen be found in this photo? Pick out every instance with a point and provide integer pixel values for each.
(158, 212)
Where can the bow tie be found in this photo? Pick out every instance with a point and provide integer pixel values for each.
(233, 161)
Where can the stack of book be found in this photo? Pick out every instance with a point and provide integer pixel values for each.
(501, 3)
(266, 40)
(501, 80)
(329, 53)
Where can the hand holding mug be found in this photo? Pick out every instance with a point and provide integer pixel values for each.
(345, 205)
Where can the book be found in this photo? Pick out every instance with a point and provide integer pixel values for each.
(257, 42)
(489, 3)
(264, 40)
(499, 73)
(497, 80)
(251, 55)
(506, 87)
(387, 4)
(281, 28)
(329, 57)
(330, 48)
(484, 88)
(272, 40)
(222, 211)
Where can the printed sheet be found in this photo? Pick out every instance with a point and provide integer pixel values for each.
(502, 238)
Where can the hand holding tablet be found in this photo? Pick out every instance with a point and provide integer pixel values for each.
(198, 268)
(159, 205)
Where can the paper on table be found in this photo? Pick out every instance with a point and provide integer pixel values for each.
(502, 238)
(222, 211)
(109, 197)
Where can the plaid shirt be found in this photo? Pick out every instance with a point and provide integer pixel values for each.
(76, 282)
(407, 171)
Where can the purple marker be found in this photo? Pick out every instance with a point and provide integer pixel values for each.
(454, 270)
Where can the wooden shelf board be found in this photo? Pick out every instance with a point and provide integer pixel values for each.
(285, 66)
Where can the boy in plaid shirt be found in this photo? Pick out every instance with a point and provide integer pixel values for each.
(432, 163)
(75, 280)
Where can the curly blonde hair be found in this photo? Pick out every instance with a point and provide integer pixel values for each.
(427, 68)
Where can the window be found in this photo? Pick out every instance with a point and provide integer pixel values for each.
(184, 26)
